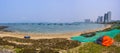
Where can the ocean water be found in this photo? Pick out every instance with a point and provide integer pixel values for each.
(51, 27)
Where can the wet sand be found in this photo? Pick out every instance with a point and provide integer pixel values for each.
(48, 36)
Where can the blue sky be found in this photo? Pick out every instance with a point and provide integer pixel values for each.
(56, 10)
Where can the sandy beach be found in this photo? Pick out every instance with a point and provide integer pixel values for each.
(48, 36)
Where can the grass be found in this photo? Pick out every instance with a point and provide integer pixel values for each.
(44, 45)
(117, 27)
(91, 48)
(117, 38)
(18, 50)
(95, 48)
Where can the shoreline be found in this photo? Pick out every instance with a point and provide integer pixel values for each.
(49, 36)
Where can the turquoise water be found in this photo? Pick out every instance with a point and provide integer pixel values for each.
(51, 27)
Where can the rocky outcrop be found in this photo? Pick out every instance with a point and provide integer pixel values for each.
(3, 27)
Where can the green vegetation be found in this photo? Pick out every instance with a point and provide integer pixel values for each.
(116, 27)
(115, 22)
(108, 29)
(113, 27)
(95, 48)
(117, 38)
(39, 46)
(18, 50)
(91, 48)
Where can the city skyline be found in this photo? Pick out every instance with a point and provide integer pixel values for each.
(56, 10)
(106, 18)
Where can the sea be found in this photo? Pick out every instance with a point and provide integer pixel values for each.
(51, 27)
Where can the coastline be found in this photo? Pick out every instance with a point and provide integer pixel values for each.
(49, 36)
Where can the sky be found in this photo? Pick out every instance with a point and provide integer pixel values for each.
(17, 11)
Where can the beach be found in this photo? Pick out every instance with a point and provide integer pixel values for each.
(50, 43)
(48, 36)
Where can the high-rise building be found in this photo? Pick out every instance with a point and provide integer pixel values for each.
(105, 18)
(109, 16)
(100, 19)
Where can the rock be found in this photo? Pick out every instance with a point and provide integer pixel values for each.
(3, 27)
